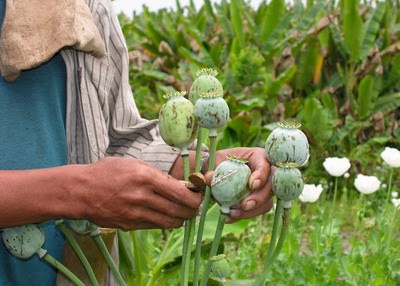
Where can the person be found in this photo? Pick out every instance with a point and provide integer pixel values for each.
(72, 141)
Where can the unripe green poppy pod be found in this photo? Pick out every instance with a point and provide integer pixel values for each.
(81, 226)
(220, 267)
(23, 241)
(211, 110)
(206, 81)
(287, 183)
(229, 184)
(177, 121)
(287, 144)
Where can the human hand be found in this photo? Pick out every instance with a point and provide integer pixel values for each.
(260, 199)
(130, 194)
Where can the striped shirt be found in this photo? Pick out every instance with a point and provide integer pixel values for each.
(101, 116)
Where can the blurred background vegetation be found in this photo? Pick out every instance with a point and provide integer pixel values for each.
(333, 66)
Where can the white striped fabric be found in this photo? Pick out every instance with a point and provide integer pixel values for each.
(102, 118)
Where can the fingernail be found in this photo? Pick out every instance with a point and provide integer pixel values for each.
(249, 205)
(235, 213)
(255, 184)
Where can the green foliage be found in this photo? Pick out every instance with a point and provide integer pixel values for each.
(331, 65)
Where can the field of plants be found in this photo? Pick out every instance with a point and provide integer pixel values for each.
(334, 67)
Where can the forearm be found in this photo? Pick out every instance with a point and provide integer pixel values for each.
(32, 196)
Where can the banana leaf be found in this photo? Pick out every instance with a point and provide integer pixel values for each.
(352, 28)
(371, 28)
(365, 97)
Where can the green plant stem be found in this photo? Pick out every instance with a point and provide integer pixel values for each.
(391, 227)
(206, 202)
(271, 248)
(96, 235)
(214, 247)
(75, 246)
(43, 254)
(138, 259)
(189, 228)
(161, 262)
(333, 206)
(389, 189)
(199, 145)
(282, 236)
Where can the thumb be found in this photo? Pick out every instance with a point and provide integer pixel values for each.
(208, 177)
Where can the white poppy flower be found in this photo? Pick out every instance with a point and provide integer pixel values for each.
(366, 184)
(395, 194)
(391, 156)
(396, 203)
(336, 167)
(310, 193)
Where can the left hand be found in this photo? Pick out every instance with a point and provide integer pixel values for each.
(260, 199)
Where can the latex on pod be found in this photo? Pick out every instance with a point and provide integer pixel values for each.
(229, 184)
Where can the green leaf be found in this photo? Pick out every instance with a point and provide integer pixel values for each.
(365, 96)
(371, 28)
(190, 56)
(127, 261)
(158, 75)
(275, 37)
(212, 221)
(310, 17)
(237, 21)
(346, 130)
(317, 120)
(306, 66)
(352, 28)
(338, 40)
(387, 103)
(393, 77)
(273, 16)
(275, 86)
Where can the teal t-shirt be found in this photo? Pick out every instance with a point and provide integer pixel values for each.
(32, 135)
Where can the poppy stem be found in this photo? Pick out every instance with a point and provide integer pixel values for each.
(214, 247)
(333, 206)
(272, 244)
(203, 212)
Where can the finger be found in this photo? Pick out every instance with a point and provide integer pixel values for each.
(260, 168)
(238, 214)
(176, 191)
(258, 197)
(144, 216)
(208, 177)
(171, 208)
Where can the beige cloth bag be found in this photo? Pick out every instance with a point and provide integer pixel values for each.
(33, 31)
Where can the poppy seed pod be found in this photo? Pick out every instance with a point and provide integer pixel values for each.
(211, 110)
(287, 183)
(23, 241)
(81, 226)
(178, 123)
(220, 267)
(287, 144)
(229, 184)
(206, 81)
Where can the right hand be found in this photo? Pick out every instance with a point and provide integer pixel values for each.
(131, 194)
